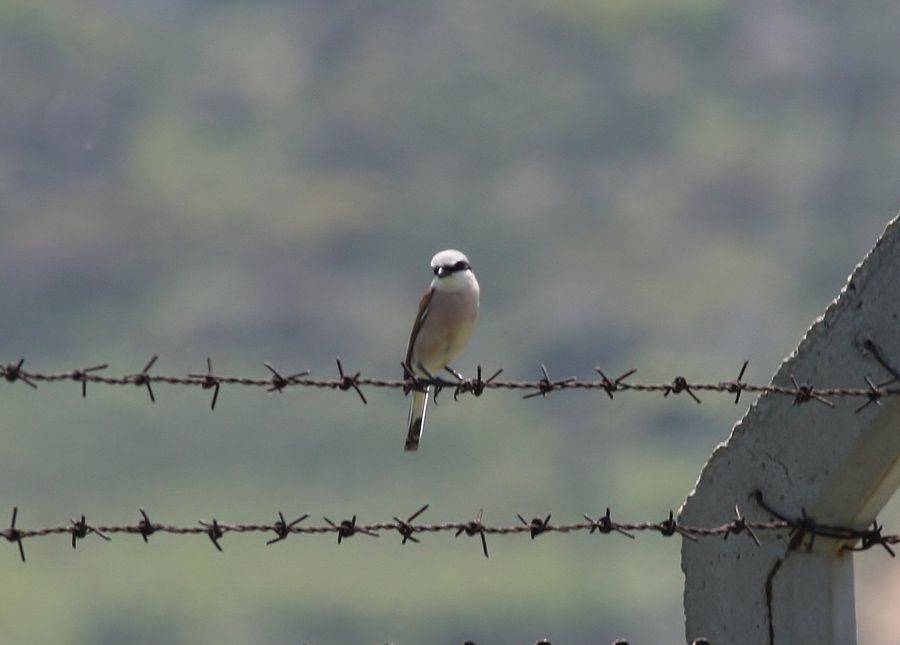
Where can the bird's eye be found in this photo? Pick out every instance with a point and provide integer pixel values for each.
(436, 270)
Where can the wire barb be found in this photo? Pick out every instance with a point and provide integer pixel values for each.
(214, 531)
(537, 525)
(145, 526)
(873, 537)
(605, 525)
(12, 534)
(80, 528)
(875, 394)
(81, 375)
(475, 527)
(12, 372)
(736, 386)
(680, 385)
(142, 378)
(806, 393)
(545, 386)
(474, 386)
(613, 385)
(348, 528)
(282, 529)
(279, 381)
(209, 381)
(740, 525)
(670, 527)
(348, 381)
(405, 527)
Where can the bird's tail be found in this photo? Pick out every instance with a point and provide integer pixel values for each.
(416, 419)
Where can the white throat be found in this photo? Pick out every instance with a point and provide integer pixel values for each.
(458, 281)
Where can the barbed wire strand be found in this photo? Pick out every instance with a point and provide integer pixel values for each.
(802, 528)
(800, 392)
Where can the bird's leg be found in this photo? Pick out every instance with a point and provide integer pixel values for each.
(437, 384)
(415, 382)
(425, 371)
(459, 377)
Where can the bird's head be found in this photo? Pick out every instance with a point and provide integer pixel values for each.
(451, 269)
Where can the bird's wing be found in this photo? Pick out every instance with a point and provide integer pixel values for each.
(417, 326)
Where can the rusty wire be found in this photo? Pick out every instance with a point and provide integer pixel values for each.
(802, 529)
(276, 381)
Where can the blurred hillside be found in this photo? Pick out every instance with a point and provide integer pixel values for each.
(676, 188)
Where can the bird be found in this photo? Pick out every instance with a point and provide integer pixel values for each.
(443, 327)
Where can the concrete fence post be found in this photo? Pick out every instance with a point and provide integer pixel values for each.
(838, 465)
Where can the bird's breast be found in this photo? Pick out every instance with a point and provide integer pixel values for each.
(447, 328)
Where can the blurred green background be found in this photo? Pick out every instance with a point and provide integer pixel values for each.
(670, 186)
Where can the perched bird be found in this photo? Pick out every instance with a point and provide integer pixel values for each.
(442, 329)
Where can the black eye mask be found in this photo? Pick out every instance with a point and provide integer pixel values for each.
(447, 269)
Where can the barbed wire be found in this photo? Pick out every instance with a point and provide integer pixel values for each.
(803, 529)
(276, 381)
